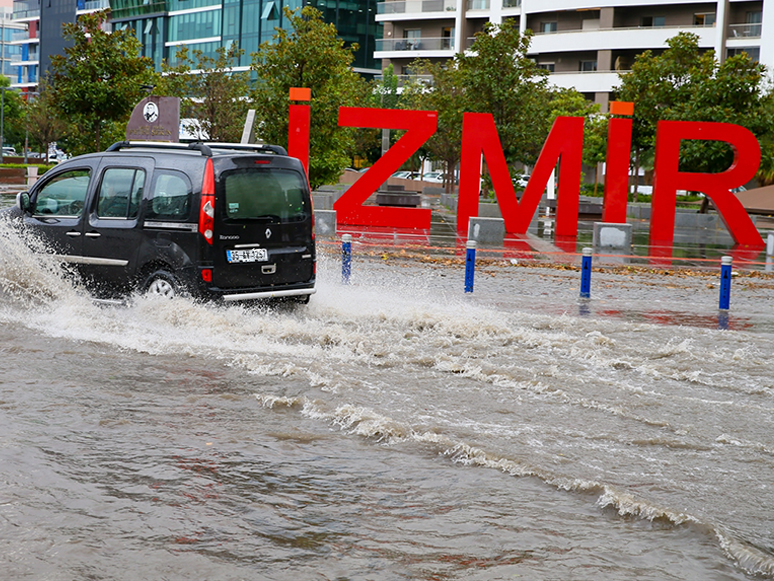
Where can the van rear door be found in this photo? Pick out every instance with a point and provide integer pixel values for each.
(263, 225)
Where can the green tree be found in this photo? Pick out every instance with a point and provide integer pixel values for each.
(13, 116)
(98, 80)
(42, 120)
(447, 97)
(571, 103)
(498, 77)
(685, 84)
(215, 97)
(309, 55)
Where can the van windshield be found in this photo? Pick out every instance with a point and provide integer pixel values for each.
(271, 194)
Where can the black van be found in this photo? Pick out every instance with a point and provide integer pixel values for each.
(223, 221)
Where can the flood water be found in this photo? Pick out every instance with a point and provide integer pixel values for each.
(394, 428)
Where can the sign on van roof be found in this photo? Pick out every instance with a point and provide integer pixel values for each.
(155, 119)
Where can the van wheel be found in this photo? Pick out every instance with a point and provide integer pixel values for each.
(303, 299)
(161, 284)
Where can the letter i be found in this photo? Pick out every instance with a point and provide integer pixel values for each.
(299, 120)
(619, 145)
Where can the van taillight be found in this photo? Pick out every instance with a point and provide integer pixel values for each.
(207, 207)
(207, 274)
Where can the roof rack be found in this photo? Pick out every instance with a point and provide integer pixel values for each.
(201, 147)
(204, 148)
(257, 147)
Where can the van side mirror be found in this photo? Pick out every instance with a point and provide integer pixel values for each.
(23, 201)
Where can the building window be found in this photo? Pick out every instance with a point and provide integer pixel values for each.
(547, 66)
(753, 24)
(753, 52)
(411, 39)
(588, 66)
(548, 27)
(653, 21)
(754, 17)
(194, 25)
(704, 19)
(447, 38)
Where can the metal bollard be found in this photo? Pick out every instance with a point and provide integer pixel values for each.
(585, 291)
(470, 265)
(346, 258)
(725, 282)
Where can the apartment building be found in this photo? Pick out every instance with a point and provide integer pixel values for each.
(583, 45)
(40, 34)
(10, 54)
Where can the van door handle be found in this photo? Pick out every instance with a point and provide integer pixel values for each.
(93, 234)
(73, 233)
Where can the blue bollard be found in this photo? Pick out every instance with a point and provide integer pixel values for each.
(585, 291)
(470, 265)
(346, 258)
(725, 282)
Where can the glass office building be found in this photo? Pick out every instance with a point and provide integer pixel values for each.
(163, 26)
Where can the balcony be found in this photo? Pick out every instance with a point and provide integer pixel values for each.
(25, 78)
(624, 38)
(416, 6)
(744, 30)
(22, 37)
(26, 9)
(404, 80)
(511, 3)
(586, 81)
(414, 44)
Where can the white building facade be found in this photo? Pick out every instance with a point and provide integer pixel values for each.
(584, 45)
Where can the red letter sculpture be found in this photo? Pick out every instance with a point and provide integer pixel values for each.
(565, 141)
(619, 144)
(299, 120)
(420, 125)
(668, 179)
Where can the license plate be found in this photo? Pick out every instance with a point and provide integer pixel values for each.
(247, 255)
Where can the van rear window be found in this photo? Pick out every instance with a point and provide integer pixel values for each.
(272, 194)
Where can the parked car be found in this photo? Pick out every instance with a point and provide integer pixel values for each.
(434, 177)
(7, 150)
(217, 221)
(520, 181)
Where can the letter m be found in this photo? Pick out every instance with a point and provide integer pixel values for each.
(564, 142)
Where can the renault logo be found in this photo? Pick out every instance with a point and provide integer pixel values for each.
(268, 233)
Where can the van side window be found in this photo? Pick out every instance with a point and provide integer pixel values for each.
(171, 197)
(64, 195)
(265, 193)
(120, 193)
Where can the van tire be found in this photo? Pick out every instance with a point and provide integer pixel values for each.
(161, 283)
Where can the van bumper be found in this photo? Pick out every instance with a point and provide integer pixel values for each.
(273, 294)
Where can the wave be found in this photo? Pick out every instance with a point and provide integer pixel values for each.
(366, 423)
